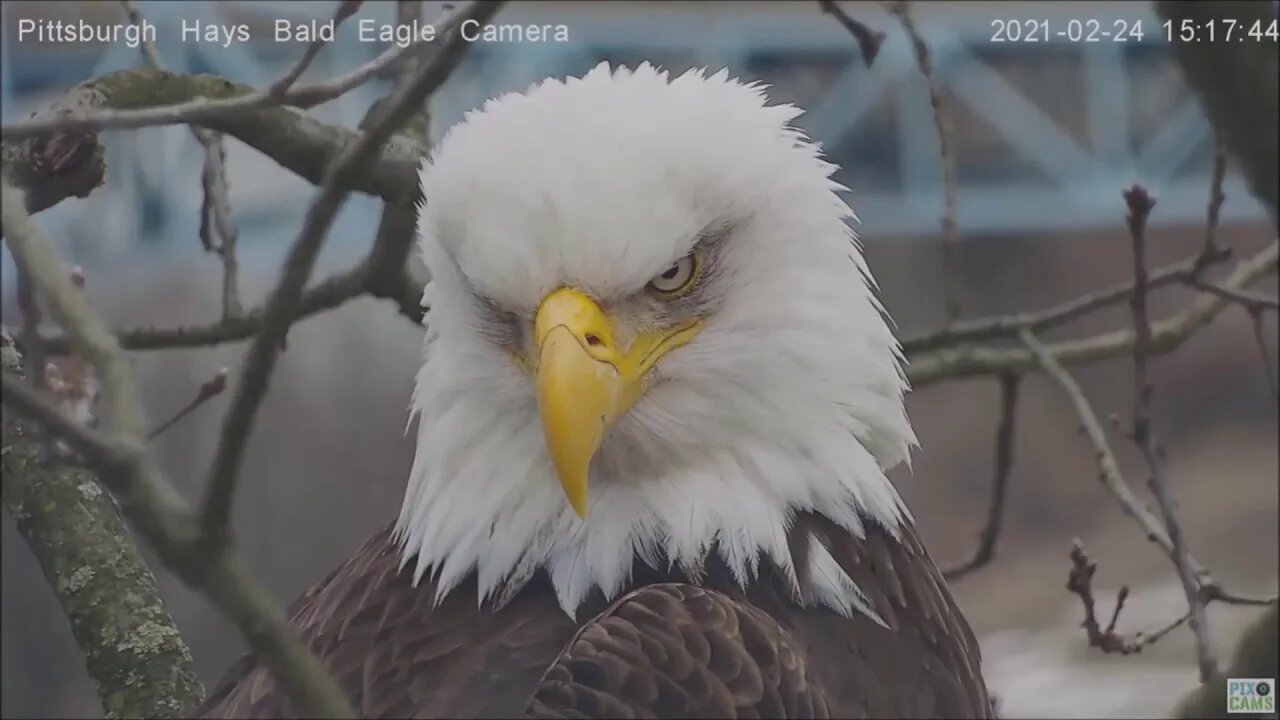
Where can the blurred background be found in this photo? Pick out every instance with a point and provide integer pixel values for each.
(1045, 136)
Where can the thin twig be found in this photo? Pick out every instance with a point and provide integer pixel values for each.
(209, 389)
(869, 41)
(387, 282)
(1080, 583)
(1255, 319)
(280, 88)
(282, 306)
(1139, 204)
(1153, 637)
(941, 123)
(1216, 198)
(1251, 301)
(217, 233)
(124, 464)
(215, 216)
(986, 550)
(1216, 593)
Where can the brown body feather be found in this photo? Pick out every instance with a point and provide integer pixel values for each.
(674, 646)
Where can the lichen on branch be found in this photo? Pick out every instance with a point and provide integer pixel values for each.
(132, 648)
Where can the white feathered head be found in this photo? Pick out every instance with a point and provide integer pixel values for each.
(651, 335)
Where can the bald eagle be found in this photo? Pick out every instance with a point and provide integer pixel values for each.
(658, 402)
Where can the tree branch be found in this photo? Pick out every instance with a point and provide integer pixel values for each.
(1248, 300)
(1255, 657)
(1269, 372)
(1080, 583)
(1108, 468)
(49, 168)
(217, 232)
(1139, 203)
(942, 125)
(986, 550)
(1008, 326)
(124, 464)
(281, 308)
(1166, 336)
(869, 41)
(133, 650)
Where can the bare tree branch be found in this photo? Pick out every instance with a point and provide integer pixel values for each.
(282, 306)
(1139, 203)
(869, 41)
(1248, 300)
(1080, 583)
(1166, 335)
(1216, 198)
(1206, 588)
(280, 88)
(1007, 326)
(1255, 319)
(124, 464)
(133, 650)
(325, 295)
(941, 123)
(986, 550)
(1256, 656)
(217, 232)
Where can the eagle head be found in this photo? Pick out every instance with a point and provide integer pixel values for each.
(652, 336)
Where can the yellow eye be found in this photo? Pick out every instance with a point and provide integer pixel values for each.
(677, 278)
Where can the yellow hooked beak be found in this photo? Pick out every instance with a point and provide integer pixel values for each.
(586, 380)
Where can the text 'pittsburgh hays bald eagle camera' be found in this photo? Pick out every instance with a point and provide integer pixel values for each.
(658, 403)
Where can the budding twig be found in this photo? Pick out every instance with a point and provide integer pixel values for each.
(211, 388)
(1139, 203)
(1080, 583)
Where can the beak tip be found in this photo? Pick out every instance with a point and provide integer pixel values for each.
(579, 505)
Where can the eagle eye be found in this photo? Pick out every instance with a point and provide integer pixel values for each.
(678, 278)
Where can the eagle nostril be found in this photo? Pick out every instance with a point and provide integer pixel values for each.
(594, 340)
